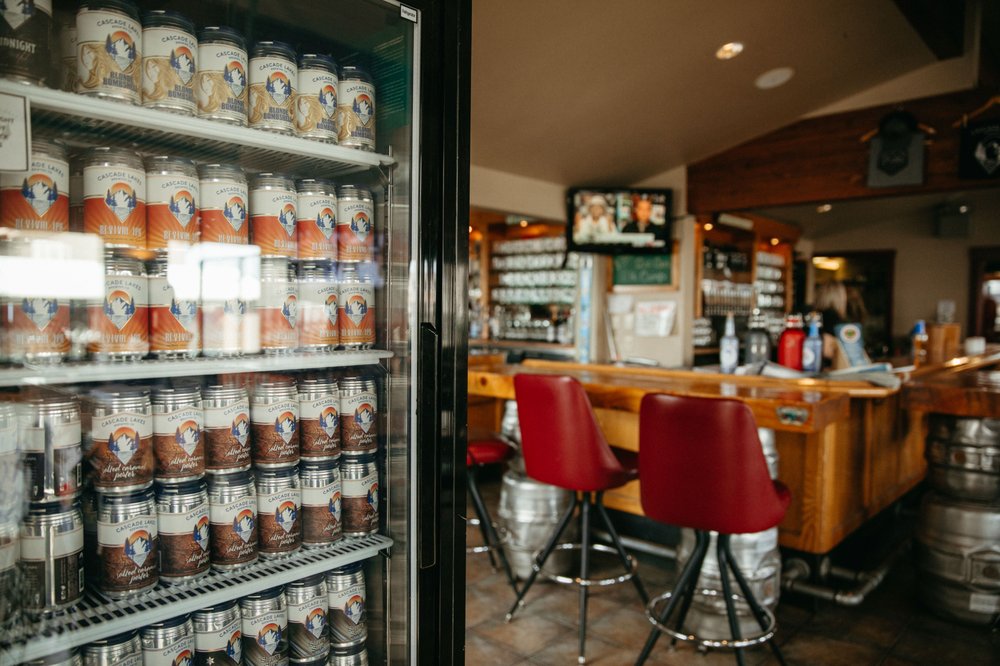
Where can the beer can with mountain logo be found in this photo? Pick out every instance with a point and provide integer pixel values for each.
(218, 639)
(221, 82)
(178, 446)
(37, 199)
(358, 415)
(307, 603)
(169, 61)
(127, 544)
(172, 189)
(121, 439)
(274, 420)
(183, 523)
(168, 643)
(232, 520)
(347, 594)
(265, 628)
(120, 321)
(273, 77)
(109, 50)
(356, 108)
(114, 197)
(279, 512)
(227, 429)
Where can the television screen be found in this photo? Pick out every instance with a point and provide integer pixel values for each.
(617, 220)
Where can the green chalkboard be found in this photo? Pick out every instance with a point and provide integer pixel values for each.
(643, 269)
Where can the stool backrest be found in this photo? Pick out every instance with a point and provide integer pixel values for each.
(701, 466)
(560, 440)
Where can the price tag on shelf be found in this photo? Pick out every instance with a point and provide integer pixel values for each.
(15, 133)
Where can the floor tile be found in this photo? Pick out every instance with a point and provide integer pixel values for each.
(929, 648)
(479, 650)
(818, 650)
(525, 635)
(598, 652)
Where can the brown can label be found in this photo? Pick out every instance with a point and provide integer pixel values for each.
(359, 428)
(177, 444)
(307, 632)
(321, 512)
(122, 452)
(233, 535)
(128, 554)
(280, 525)
(227, 436)
(275, 428)
(265, 639)
(184, 539)
(320, 422)
(360, 498)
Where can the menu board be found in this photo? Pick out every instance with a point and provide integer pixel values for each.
(643, 269)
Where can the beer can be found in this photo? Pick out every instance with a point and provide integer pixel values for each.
(278, 307)
(178, 423)
(50, 439)
(274, 422)
(221, 88)
(35, 329)
(217, 635)
(37, 199)
(308, 636)
(227, 429)
(265, 628)
(121, 439)
(316, 228)
(127, 544)
(10, 594)
(273, 77)
(171, 202)
(25, 41)
(319, 419)
(67, 52)
(355, 224)
(316, 98)
(223, 191)
(318, 303)
(70, 657)
(121, 650)
(321, 498)
(169, 60)
(347, 594)
(88, 507)
(223, 326)
(109, 50)
(356, 308)
(272, 215)
(358, 415)
(120, 322)
(174, 323)
(183, 525)
(279, 506)
(11, 470)
(355, 655)
(356, 108)
(359, 477)
(232, 502)
(169, 643)
(51, 557)
(114, 197)
(76, 195)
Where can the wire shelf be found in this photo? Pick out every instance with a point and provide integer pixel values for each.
(87, 121)
(96, 618)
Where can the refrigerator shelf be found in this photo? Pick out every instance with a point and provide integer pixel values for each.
(95, 618)
(77, 372)
(87, 121)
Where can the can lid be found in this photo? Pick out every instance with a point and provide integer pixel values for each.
(317, 61)
(308, 465)
(216, 33)
(278, 472)
(225, 391)
(220, 608)
(163, 161)
(230, 479)
(167, 624)
(272, 48)
(271, 593)
(354, 72)
(157, 18)
(121, 5)
(308, 581)
(363, 459)
(115, 640)
(106, 499)
(58, 506)
(170, 393)
(190, 487)
(48, 146)
(359, 191)
(354, 567)
(306, 185)
(273, 179)
(119, 392)
(99, 154)
(217, 170)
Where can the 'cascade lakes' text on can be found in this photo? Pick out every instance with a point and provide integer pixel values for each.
(355, 655)
(168, 643)
(265, 628)
(119, 322)
(10, 549)
(114, 197)
(356, 108)
(26, 41)
(308, 636)
(316, 229)
(37, 199)
(358, 415)
(169, 62)
(279, 512)
(109, 50)
(355, 224)
(319, 419)
(174, 322)
(171, 202)
(49, 433)
(273, 215)
(316, 98)
(273, 76)
(178, 422)
(359, 477)
(278, 307)
(182, 520)
(121, 439)
(232, 500)
(274, 424)
(121, 650)
(356, 307)
(51, 558)
(127, 544)
(226, 429)
(319, 297)
(221, 82)
(217, 635)
(321, 502)
(223, 192)
(347, 594)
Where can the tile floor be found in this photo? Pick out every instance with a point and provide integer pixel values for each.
(889, 629)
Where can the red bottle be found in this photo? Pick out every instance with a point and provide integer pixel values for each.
(790, 343)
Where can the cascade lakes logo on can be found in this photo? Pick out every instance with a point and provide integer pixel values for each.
(121, 47)
(234, 648)
(269, 637)
(235, 76)
(328, 99)
(364, 416)
(119, 308)
(356, 308)
(182, 62)
(285, 515)
(278, 87)
(40, 192)
(182, 207)
(373, 496)
(138, 546)
(333, 506)
(40, 311)
(286, 218)
(331, 309)
(241, 429)
(361, 225)
(326, 221)
(235, 212)
(121, 200)
(354, 609)
(200, 533)
(185, 658)
(329, 421)
(290, 310)
(316, 622)
(243, 525)
(188, 436)
(363, 107)
(185, 312)
(37, 200)
(16, 12)
(123, 443)
(285, 426)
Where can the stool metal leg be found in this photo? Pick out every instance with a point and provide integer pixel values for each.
(584, 572)
(755, 606)
(702, 542)
(734, 625)
(541, 558)
(616, 540)
(489, 533)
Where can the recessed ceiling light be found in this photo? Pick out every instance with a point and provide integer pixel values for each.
(729, 50)
(523, 223)
(773, 78)
(775, 241)
(709, 226)
(824, 208)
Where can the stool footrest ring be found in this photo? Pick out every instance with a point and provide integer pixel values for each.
(756, 639)
(586, 582)
(503, 537)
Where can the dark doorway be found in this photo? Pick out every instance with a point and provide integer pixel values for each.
(984, 292)
(868, 277)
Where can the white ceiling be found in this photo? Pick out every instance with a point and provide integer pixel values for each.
(605, 91)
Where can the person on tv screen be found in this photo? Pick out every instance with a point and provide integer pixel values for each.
(594, 220)
(642, 222)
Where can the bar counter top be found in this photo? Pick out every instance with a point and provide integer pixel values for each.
(967, 387)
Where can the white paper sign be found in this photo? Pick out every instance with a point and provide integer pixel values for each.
(655, 319)
(15, 133)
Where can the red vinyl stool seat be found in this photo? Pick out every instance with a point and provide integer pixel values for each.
(478, 453)
(563, 446)
(487, 452)
(701, 466)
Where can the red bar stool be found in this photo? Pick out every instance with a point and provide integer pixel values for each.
(563, 446)
(482, 452)
(701, 466)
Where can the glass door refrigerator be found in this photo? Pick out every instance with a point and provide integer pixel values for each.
(232, 331)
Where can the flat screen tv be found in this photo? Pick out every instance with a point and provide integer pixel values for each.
(614, 220)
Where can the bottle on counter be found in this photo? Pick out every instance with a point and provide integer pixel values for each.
(920, 343)
(790, 343)
(812, 349)
(729, 347)
(757, 341)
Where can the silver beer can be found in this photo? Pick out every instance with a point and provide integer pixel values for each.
(127, 544)
(169, 61)
(359, 477)
(50, 440)
(168, 643)
(232, 502)
(182, 518)
(356, 108)
(316, 98)
(221, 81)
(279, 512)
(121, 650)
(265, 628)
(321, 502)
(217, 636)
(308, 635)
(109, 50)
(227, 429)
(120, 439)
(319, 418)
(274, 422)
(51, 557)
(273, 77)
(347, 594)
(178, 424)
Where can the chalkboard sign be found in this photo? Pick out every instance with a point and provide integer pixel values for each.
(638, 269)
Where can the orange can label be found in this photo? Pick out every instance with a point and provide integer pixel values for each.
(318, 314)
(121, 322)
(272, 221)
(171, 210)
(224, 212)
(317, 227)
(36, 200)
(356, 316)
(36, 326)
(279, 315)
(114, 205)
(355, 227)
(174, 324)
(222, 324)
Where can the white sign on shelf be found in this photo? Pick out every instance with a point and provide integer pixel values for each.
(15, 133)
(655, 319)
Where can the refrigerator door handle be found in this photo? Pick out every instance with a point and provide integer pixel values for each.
(428, 448)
